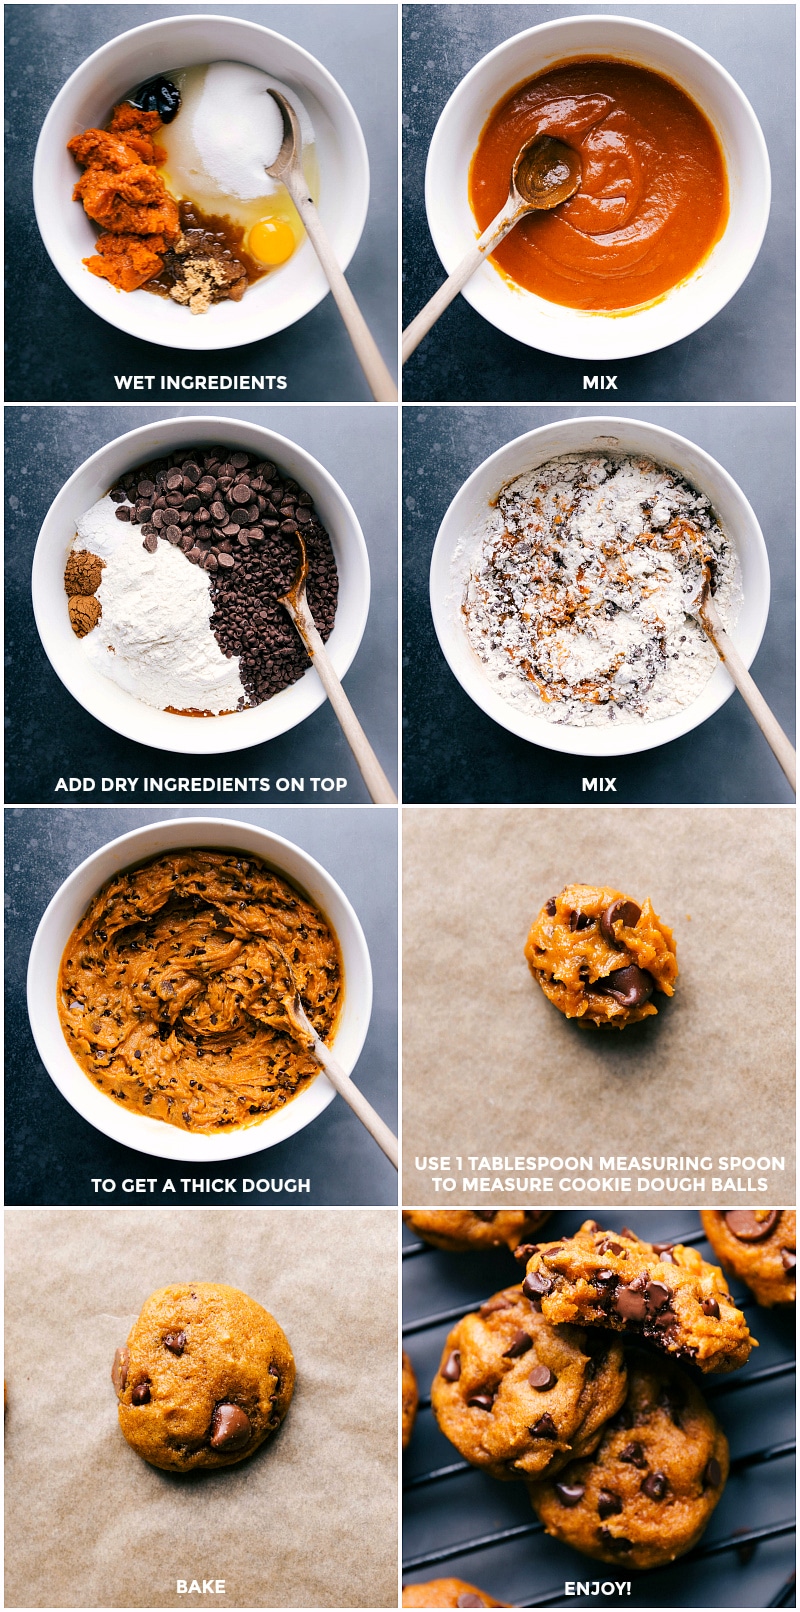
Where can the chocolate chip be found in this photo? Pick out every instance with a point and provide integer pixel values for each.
(789, 1261)
(541, 1378)
(634, 1455)
(665, 1320)
(711, 1307)
(485, 1214)
(656, 1296)
(173, 534)
(751, 1225)
(536, 1284)
(500, 1302)
(482, 1402)
(655, 1485)
(609, 1504)
(226, 560)
(614, 1542)
(626, 911)
(175, 1342)
(123, 512)
(451, 1370)
(630, 1305)
(525, 1251)
(140, 1395)
(631, 986)
(569, 1494)
(119, 1370)
(579, 921)
(470, 1600)
(519, 1345)
(550, 907)
(230, 1428)
(712, 1475)
(150, 543)
(544, 1428)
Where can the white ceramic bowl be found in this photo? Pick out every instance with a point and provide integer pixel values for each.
(85, 101)
(572, 332)
(68, 906)
(113, 705)
(457, 544)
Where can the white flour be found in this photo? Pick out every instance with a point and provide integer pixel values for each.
(154, 637)
(575, 603)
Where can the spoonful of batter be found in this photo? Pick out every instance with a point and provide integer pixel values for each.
(546, 172)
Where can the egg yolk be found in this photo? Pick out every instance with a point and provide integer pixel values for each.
(271, 241)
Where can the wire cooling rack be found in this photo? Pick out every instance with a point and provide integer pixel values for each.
(459, 1522)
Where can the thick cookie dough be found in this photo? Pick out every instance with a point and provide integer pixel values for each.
(410, 1399)
(665, 1293)
(647, 1493)
(599, 956)
(520, 1397)
(446, 1592)
(461, 1229)
(169, 989)
(205, 1377)
(759, 1246)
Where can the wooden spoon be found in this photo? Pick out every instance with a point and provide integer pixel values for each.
(296, 603)
(704, 611)
(288, 168)
(284, 1010)
(546, 172)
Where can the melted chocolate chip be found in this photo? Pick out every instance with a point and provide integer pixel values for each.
(140, 1395)
(525, 1251)
(492, 1305)
(542, 1378)
(711, 1307)
(631, 986)
(536, 1284)
(451, 1370)
(230, 1428)
(751, 1225)
(656, 1295)
(569, 1494)
(544, 1428)
(613, 1542)
(634, 1455)
(175, 1342)
(630, 1305)
(485, 1214)
(626, 911)
(712, 1476)
(609, 1504)
(519, 1345)
(482, 1402)
(119, 1370)
(655, 1485)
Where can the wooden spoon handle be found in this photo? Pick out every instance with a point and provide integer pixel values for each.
(377, 1127)
(380, 381)
(751, 694)
(369, 766)
(472, 260)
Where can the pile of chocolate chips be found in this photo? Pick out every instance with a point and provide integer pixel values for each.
(237, 516)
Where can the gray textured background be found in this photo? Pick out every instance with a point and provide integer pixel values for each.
(747, 352)
(48, 733)
(452, 751)
(61, 349)
(52, 1153)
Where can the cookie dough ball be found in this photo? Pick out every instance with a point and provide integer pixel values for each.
(447, 1592)
(647, 1493)
(663, 1292)
(520, 1397)
(759, 1246)
(410, 1399)
(462, 1229)
(599, 956)
(205, 1377)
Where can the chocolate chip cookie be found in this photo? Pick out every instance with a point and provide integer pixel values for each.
(666, 1293)
(520, 1397)
(759, 1246)
(647, 1493)
(600, 956)
(410, 1399)
(446, 1592)
(205, 1377)
(462, 1229)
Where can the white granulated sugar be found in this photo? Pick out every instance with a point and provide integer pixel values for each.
(575, 602)
(99, 530)
(237, 128)
(154, 637)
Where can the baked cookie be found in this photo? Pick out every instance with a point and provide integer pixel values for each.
(447, 1592)
(666, 1293)
(520, 1397)
(648, 1491)
(758, 1245)
(410, 1399)
(599, 956)
(205, 1377)
(461, 1229)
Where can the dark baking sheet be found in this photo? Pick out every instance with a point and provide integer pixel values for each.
(468, 1525)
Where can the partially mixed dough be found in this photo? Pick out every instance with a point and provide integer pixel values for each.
(172, 988)
(599, 956)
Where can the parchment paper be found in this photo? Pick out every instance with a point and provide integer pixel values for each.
(310, 1520)
(491, 1067)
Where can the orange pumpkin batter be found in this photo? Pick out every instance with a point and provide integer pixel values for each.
(653, 198)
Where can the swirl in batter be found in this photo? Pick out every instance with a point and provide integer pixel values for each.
(169, 994)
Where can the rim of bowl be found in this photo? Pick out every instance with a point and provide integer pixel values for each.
(570, 345)
(194, 736)
(157, 1138)
(632, 738)
(79, 280)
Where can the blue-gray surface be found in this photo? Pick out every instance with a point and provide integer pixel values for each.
(52, 1153)
(746, 353)
(57, 348)
(48, 734)
(452, 751)
(522, 1570)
